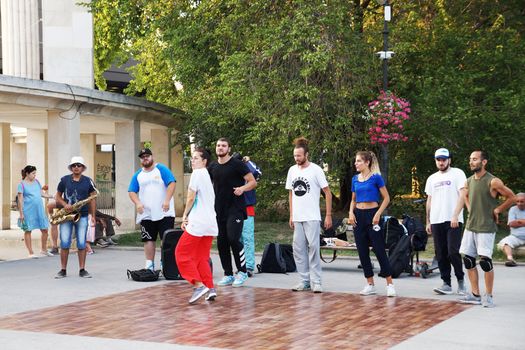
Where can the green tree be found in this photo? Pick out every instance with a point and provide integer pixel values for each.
(264, 72)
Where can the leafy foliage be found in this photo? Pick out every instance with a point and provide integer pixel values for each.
(264, 72)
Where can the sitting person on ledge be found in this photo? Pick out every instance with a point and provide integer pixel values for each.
(516, 223)
(104, 224)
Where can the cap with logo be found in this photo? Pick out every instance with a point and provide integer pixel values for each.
(442, 153)
(145, 151)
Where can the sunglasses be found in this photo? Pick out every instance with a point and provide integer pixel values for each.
(77, 165)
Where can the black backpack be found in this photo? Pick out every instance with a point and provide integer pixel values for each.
(399, 256)
(144, 275)
(392, 231)
(416, 231)
(277, 258)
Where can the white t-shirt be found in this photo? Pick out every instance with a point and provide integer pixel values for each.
(151, 187)
(202, 220)
(444, 190)
(306, 185)
(516, 214)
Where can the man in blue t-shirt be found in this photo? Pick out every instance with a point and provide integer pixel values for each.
(71, 189)
(248, 227)
(151, 190)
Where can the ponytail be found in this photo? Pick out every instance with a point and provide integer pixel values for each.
(369, 156)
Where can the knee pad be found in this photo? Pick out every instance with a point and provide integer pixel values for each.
(486, 264)
(469, 262)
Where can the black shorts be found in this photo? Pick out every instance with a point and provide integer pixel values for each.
(149, 230)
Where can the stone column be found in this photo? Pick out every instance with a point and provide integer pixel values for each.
(36, 153)
(177, 167)
(127, 146)
(5, 183)
(20, 40)
(67, 40)
(160, 146)
(63, 142)
(88, 147)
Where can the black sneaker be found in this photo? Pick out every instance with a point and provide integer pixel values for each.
(83, 273)
(111, 242)
(61, 274)
(250, 273)
(510, 263)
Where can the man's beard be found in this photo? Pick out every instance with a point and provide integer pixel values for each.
(476, 169)
(445, 168)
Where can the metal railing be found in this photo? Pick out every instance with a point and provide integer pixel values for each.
(106, 197)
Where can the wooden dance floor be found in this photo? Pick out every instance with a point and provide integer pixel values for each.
(242, 318)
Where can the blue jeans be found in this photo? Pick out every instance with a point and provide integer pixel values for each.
(66, 233)
(248, 240)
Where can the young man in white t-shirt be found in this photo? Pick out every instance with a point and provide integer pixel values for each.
(305, 181)
(151, 190)
(443, 189)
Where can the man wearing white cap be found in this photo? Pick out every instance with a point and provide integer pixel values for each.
(443, 189)
(73, 188)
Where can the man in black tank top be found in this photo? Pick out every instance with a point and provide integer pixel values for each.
(231, 178)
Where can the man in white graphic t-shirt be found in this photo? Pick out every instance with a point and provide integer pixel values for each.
(151, 190)
(443, 189)
(305, 181)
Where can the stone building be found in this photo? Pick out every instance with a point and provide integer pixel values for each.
(50, 111)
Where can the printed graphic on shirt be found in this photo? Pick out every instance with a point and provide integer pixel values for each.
(71, 197)
(300, 186)
(442, 183)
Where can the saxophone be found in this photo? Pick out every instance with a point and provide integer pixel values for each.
(61, 215)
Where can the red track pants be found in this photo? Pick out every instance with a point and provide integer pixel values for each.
(193, 255)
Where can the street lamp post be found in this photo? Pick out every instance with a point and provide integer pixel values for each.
(384, 56)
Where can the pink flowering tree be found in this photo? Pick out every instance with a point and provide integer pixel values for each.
(387, 114)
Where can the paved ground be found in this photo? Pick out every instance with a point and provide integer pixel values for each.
(28, 285)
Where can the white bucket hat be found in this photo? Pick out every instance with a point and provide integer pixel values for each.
(75, 160)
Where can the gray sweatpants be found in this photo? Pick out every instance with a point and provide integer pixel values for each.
(306, 250)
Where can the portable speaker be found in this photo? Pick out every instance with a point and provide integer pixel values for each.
(169, 263)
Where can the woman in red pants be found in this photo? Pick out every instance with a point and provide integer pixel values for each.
(200, 226)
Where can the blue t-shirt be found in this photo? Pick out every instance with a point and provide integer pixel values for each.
(367, 191)
(74, 191)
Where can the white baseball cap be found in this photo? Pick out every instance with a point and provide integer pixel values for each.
(75, 160)
(442, 153)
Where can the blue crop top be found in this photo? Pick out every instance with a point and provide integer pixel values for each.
(367, 191)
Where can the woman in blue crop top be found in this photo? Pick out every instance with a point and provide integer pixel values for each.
(368, 190)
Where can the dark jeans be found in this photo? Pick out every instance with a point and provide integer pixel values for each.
(365, 236)
(99, 229)
(447, 241)
(229, 238)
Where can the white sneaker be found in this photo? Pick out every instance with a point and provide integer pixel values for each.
(368, 290)
(390, 291)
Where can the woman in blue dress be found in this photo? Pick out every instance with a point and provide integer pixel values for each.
(32, 213)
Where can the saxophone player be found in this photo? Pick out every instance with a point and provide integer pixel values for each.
(71, 189)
